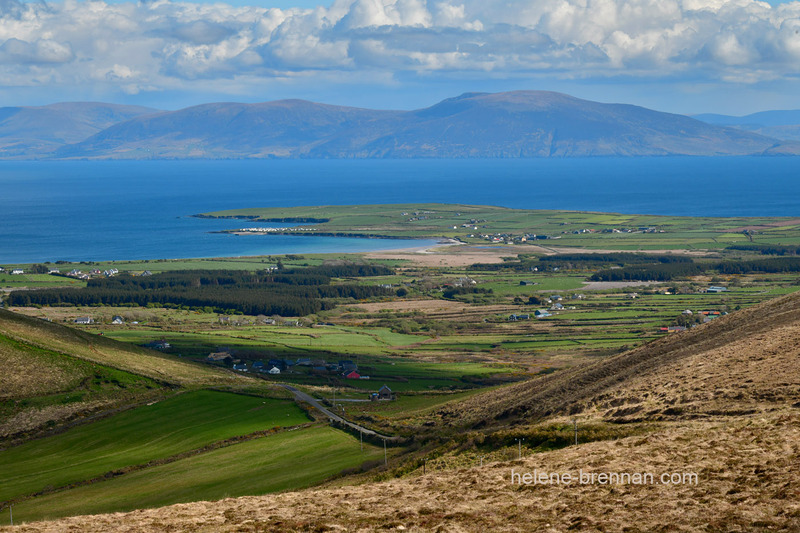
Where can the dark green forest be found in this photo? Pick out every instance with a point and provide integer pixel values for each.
(295, 292)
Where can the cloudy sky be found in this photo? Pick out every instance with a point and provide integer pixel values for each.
(685, 56)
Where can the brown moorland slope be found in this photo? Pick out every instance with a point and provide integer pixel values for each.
(726, 403)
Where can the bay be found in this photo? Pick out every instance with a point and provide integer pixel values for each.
(104, 210)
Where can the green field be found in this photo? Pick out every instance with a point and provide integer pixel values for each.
(173, 426)
(284, 461)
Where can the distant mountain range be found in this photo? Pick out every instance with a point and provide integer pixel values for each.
(32, 132)
(502, 125)
(783, 125)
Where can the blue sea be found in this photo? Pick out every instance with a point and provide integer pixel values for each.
(91, 211)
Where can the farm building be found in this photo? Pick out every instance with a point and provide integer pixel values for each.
(159, 345)
(219, 356)
(385, 393)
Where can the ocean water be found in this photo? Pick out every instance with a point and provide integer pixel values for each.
(84, 210)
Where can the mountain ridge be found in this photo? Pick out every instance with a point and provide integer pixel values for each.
(784, 124)
(517, 124)
(31, 131)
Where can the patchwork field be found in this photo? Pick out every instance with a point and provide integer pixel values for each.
(283, 461)
(167, 428)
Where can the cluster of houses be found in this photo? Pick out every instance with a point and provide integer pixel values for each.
(509, 238)
(159, 345)
(642, 229)
(556, 305)
(79, 274)
(539, 313)
(345, 369)
(84, 320)
(705, 317)
(715, 289)
(419, 215)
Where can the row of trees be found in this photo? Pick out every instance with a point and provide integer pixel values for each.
(582, 261)
(767, 249)
(659, 272)
(669, 272)
(287, 293)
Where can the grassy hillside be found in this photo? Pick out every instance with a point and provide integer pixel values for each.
(283, 461)
(98, 349)
(183, 423)
(55, 375)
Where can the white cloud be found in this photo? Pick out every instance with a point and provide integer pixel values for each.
(162, 44)
(42, 51)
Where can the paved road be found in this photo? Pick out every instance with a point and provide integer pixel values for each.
(303, 397)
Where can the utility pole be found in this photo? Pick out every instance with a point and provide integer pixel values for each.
(482, 460)
(424, 464)
(11, 512)
(385, 457)
(361, 438)
(519, 447)
(575, 423)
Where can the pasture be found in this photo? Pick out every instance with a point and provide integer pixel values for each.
(176, 425)
(283, 461)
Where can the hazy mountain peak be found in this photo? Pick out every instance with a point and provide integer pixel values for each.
(521, 123)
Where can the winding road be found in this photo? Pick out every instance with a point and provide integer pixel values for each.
(303, 397)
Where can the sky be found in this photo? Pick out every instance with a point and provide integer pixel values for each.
(683, 56)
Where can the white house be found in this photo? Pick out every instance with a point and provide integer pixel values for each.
(17, 271)
(274, 370)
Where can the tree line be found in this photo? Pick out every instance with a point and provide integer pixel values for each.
(669, 272)
(581, 260)
(295, 292)
(767, 249)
